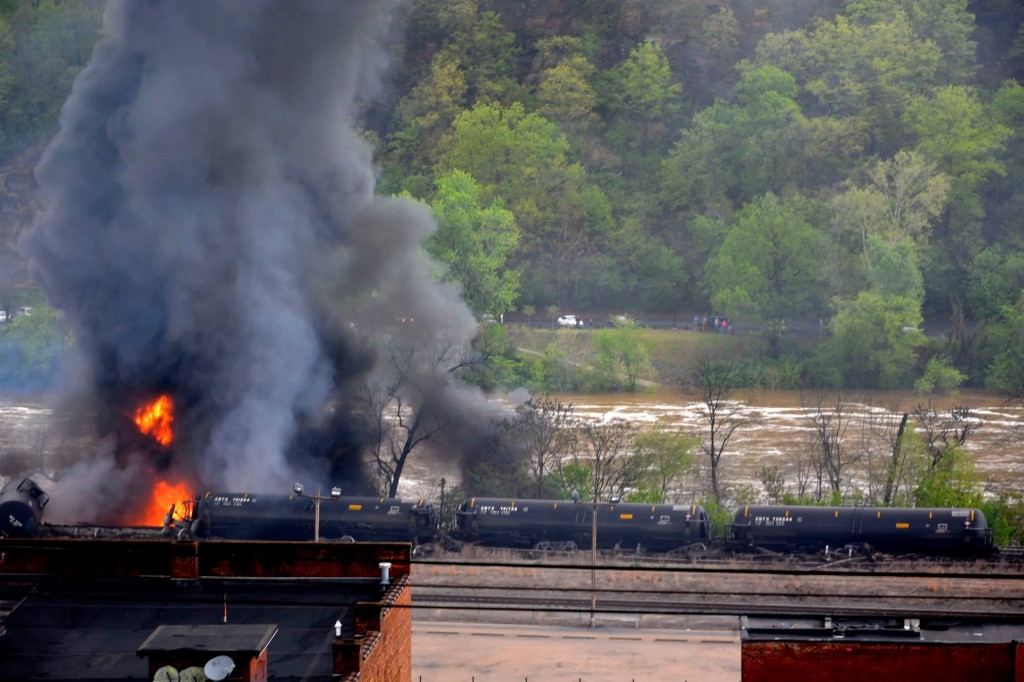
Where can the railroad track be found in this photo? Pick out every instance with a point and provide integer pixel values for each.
(431, 598)
(726, 591)
(1008, 561)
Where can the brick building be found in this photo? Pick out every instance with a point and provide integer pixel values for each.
(77, 609)
(881, 650)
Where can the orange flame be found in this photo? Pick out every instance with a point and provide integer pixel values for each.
(156, 418)
(164, 495)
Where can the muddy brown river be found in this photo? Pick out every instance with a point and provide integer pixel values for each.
(33, 435)
(781, 429)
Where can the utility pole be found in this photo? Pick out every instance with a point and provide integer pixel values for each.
(593, 563)
(317, 499)
(593, 551)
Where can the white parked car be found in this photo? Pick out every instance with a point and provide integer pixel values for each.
(569, 321)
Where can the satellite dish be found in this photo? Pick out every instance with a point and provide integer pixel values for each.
(218, 667)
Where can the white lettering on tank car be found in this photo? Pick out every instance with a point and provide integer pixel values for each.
(231, 500)
(772, 520)
(961, 512)
(494, 510)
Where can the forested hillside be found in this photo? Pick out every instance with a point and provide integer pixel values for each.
(857, 161)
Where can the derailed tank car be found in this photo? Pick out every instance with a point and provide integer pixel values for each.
(21, 507)
(245, 516)
(889, 529)
(567, 524)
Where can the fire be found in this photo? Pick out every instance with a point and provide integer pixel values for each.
(156, 418)
(164, 495)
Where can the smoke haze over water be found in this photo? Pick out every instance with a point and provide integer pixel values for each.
(210, 231)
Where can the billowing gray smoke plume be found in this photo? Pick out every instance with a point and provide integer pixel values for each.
(211, 232)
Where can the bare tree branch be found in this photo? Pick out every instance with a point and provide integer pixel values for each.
(713, 384)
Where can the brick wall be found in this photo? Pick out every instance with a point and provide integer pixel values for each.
(382, 650)
(880, 662)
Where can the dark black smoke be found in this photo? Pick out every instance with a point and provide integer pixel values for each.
(210, 231)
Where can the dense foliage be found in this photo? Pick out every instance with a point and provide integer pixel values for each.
(850, 161)
(857, 161)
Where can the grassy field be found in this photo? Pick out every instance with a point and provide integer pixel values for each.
(673, 351)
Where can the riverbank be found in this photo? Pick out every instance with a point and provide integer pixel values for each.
(674, 352)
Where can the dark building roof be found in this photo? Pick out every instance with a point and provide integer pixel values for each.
(851, 649)
(865, 629)
(250, 640)
(71, 620)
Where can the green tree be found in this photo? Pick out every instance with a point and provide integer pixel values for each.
(1005, 374)
(475, 242)
(623, 353)
(498, 364)
(721, 33)
(668, 458)
(696, 171)
(481, 43)
(940, 375)
(947, 23)
(44, 47)
(874, 338)
(427, 111)
(524, 158)
(646, 93)
(739, 150)
(891, 217)
(6, 75)
(957, 133)
(770, 264)
(1005, 194)
(893, 269)
(566, 95)
(914, 196)
(994, 282)
(953, 482)
(867, 70)
(31, 348)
